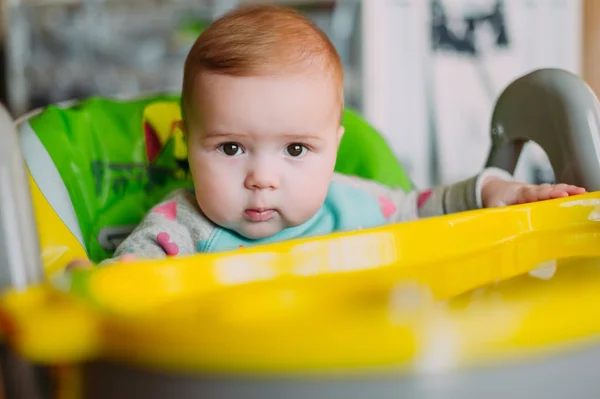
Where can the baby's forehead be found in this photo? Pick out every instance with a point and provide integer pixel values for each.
(280, 72)
(307, 87)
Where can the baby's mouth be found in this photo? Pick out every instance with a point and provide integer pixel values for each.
(259, 215)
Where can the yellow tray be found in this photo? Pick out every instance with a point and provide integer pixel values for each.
(422, 295)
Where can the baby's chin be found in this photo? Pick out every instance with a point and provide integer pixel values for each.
(257, 231)
(262, 230)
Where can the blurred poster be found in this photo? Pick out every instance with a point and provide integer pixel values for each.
(478, 47)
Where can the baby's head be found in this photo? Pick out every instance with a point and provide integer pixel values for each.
(262, 101)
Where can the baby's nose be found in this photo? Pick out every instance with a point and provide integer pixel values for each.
(261, 179)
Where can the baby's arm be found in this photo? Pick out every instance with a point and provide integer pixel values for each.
(156, 237)
(398, 205)
(171, 228)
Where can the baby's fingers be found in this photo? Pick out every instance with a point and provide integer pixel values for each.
(128, 258)
(534, 193)
(563, 190)
(547, 191)
(79, 264)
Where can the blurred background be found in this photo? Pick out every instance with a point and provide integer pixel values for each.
(425, 73)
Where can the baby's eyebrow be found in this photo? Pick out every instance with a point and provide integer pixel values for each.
(220, 134)
(216, 134)
(303, 136)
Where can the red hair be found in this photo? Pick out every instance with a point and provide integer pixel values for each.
(260, 39)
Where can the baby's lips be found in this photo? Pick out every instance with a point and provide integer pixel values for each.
(257, 215)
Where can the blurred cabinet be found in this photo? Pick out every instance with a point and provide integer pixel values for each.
(59, 50)
(64, 49)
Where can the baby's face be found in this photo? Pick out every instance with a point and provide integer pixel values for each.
(262, 149)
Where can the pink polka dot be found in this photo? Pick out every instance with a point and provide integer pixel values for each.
(423, 197)
(164, 240)
(168, 210)
(387, 207)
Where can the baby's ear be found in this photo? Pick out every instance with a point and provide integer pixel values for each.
(340, 133)
(181, 126)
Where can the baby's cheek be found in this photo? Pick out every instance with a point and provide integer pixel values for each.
(212, 206)
(221, 203)
(302, 201)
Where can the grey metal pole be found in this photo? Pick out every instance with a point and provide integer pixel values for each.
(20, 260)
(557, 110)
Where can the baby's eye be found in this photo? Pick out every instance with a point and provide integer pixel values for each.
(231, 149)
(295, 150)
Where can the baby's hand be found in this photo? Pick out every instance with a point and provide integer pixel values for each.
(87, 264)
(497, 192)
(78, 264)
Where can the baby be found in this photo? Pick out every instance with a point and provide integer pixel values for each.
(261, 103)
